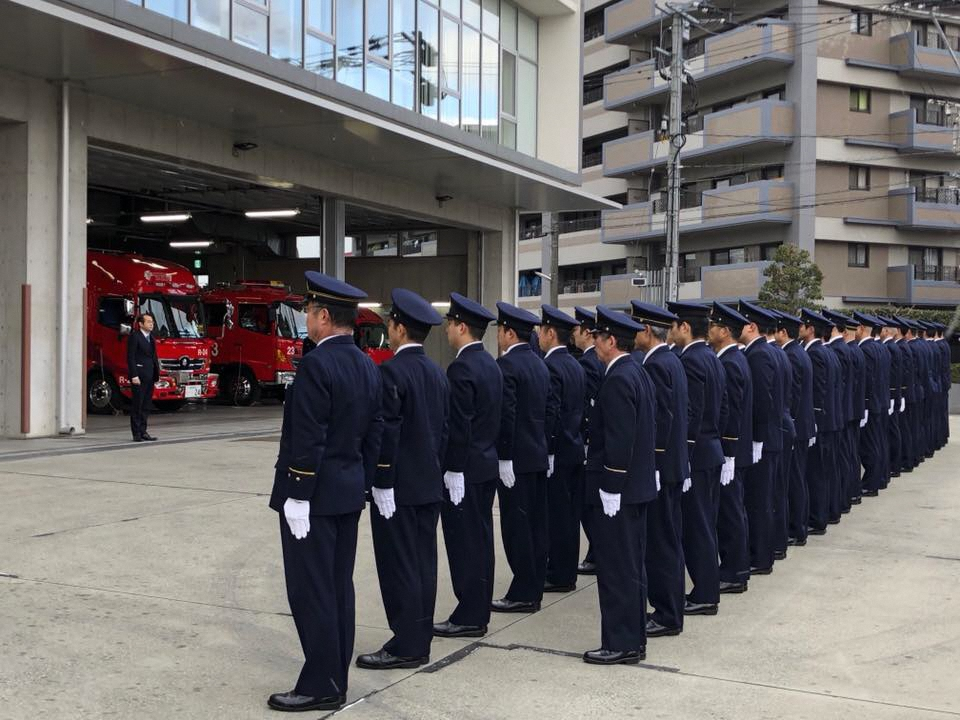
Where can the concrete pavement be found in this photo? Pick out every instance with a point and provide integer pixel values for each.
(146, 582)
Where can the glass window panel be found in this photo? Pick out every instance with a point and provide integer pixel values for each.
(249, 27)
(491, 18)
(471, 12)
(381, 245)
(378, 28)
(177, 9)
(526, 107)
(508, 26)
(450, 110)
(320, 15)
(471, 80)
(378, 80)
(450, 55)
(211, 15)
(508, 133)
(490, 89)
(451, 6)
(527, 36)
(508, 84)
(404, 52)
(286, 30)
(350, 43)
(318, 56)
(428, 19)
(422, 244)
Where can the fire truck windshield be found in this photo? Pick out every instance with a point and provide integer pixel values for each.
(176, 316)
(291, 321)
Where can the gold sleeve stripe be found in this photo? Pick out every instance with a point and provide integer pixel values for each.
(301, 472)
(605, 467)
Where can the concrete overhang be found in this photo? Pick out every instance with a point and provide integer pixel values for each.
(548, 8)
(114, 49)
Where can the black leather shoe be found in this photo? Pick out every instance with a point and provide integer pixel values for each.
(816, 531)
(291, 702)
(871, 493)
(895, 474)
(761, 571)
(795, 542)
(730, 588)
(587, 568)
(655, 629)
(614, 657)
(856, 500)
(137, 439)
(692, 608)
(382, 660)
(452, 630)
(552, 588)
(148, 436)
(833, 521)
(514, 606)
(779, 554)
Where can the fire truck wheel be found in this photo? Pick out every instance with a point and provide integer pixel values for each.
(169, 405)
(103, 394)
(240, 388)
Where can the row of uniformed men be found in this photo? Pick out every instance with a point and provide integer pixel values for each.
(684, 449)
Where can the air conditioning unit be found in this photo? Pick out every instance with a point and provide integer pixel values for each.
(639, 281)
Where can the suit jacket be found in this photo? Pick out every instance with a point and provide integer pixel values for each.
(142, 360)
(785, 371)
(705, 383)
(767, 395)
(331, 430)
(826, 379)
(844, 390)
(859, 379)
(526, 384)
(622, 458)
(737, 430)
(670, 387)
(801, 392)
(476, 396)
(414, 409)
(592, 375)
(565, 408)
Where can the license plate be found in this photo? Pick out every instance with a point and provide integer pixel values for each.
(192, 391)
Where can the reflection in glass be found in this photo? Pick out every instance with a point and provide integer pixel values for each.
(526, 107)
(286, 30)
(508, 26)
(211, 15)
(404, 52)
(527, 36)
(490, 90)
(320, 15)
(508, 84)
(378, 29)
(450, 109)
(318, 56)
(418, 244)
(508, 133)
(176, 9)
(491, 18)
(471, 80)
(350, 43)
(450, 55)
(451, 7)
(249, 27)
(378, 80)
(428, 21)
(471, 12)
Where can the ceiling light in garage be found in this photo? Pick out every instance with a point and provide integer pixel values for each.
(441, 304)
(191, 243)
(370, 305)
(260, 214)
(165, 218)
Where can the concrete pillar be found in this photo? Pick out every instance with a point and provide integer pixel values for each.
(498, 276)
(334, 227)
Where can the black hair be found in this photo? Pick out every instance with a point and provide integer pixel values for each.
(698, 327)
(792, 331)
(417, 334)
(341, 316)
(143, 315)
(623, 344)
(476, 333)
(875, 331)
(824, 332)
(563, 333)
(766, 328)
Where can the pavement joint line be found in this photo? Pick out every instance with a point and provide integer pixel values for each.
(226, 491)
(943, 557)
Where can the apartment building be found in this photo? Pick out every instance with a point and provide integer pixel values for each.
(827, 125)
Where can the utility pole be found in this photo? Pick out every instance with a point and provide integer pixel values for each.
(550, 259)
(671, 269)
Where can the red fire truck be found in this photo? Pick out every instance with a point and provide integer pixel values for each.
(120, 286)
(258, 331)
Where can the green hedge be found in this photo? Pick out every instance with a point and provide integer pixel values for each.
(913, 313)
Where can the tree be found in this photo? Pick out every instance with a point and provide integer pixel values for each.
(793, 281)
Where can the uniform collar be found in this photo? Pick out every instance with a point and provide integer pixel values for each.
(469, 344)
(834, 339)
(614, 361)
(514, 346)
(787, 343)
(331, 337)
(652, 350)
(551, 351)
(690, 345)
(589, 348)
(724, 349)
(810, 343)
(758, 337)
(864, 340)
(408, 345)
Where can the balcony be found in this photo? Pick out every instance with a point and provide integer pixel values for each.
(919, 61)
(625, 20)
(754, 125)
(936, 209)
(920, 138)
(766, 202)
(726, 60)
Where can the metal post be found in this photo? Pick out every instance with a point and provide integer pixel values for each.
(549, 259)
(670, 275)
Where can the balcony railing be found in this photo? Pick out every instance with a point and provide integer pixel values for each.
(592, 31)
(690, 274)
(580, 286)
(915, 59)
(688, 199)
(592, 95)
(593, 158)
(531, 232)
(936, 273)
(940, 196)
(579, 224)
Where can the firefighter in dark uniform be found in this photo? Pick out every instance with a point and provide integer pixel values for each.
(523, 460)
(666, 576)
(701, 498)
(564, 448)
(911, 396)
(736, 438)
(943, 347)
(330, 436)
(470, 468)
(888, 338)
(621, 483)
(844, 394)
(408, 484)
(592, 374)
(874, 453)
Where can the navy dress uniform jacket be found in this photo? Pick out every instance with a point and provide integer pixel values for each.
(413, 443)
(670, 384)
(592, 375)
(785, 371)
(565, 407)
(705, 382)
(767, 395)
(526, 384)
(896, 372)
(801, 393)
(859, 379)
(826, 379)
(737, 431)
(844, 390)
(476, 394)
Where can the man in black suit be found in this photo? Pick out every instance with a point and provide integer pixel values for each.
(470, 468)
(523, 460)
(143, 369)
(408, 485)
(592, 375)
(329, 438)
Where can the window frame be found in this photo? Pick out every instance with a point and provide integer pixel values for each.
(857, 26)
(853, 255)
(853, 178)
(859, 92)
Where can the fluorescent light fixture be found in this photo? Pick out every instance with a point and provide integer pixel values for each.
(259, 214)
(442, 304)
(371, 305)
(191, 243)
(165, 217)
(89, 221)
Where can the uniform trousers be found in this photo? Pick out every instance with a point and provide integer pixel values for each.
(666, 579)
(838, 476)
(319, 575)
(468, 536)
(894, 437)
(908, 437)
(405, 548)
(872, 453)
(733, 533)
(564, 508)
(821, 473)
(758, 501)
(523, 528)
(619, 544)
(853, 487)
(781, 491)
(700, 509)
(798, 496)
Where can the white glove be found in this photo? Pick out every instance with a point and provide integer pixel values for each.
(757, 452)
(506, 473)
(550, 459)
(383, 498)
(656, 476)
(729, 468)
(866, 417)
(903, 404)
(611, 503)
(893, 403)
(687, 484)
(813, 441)
(455, 486)
(297, 513)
